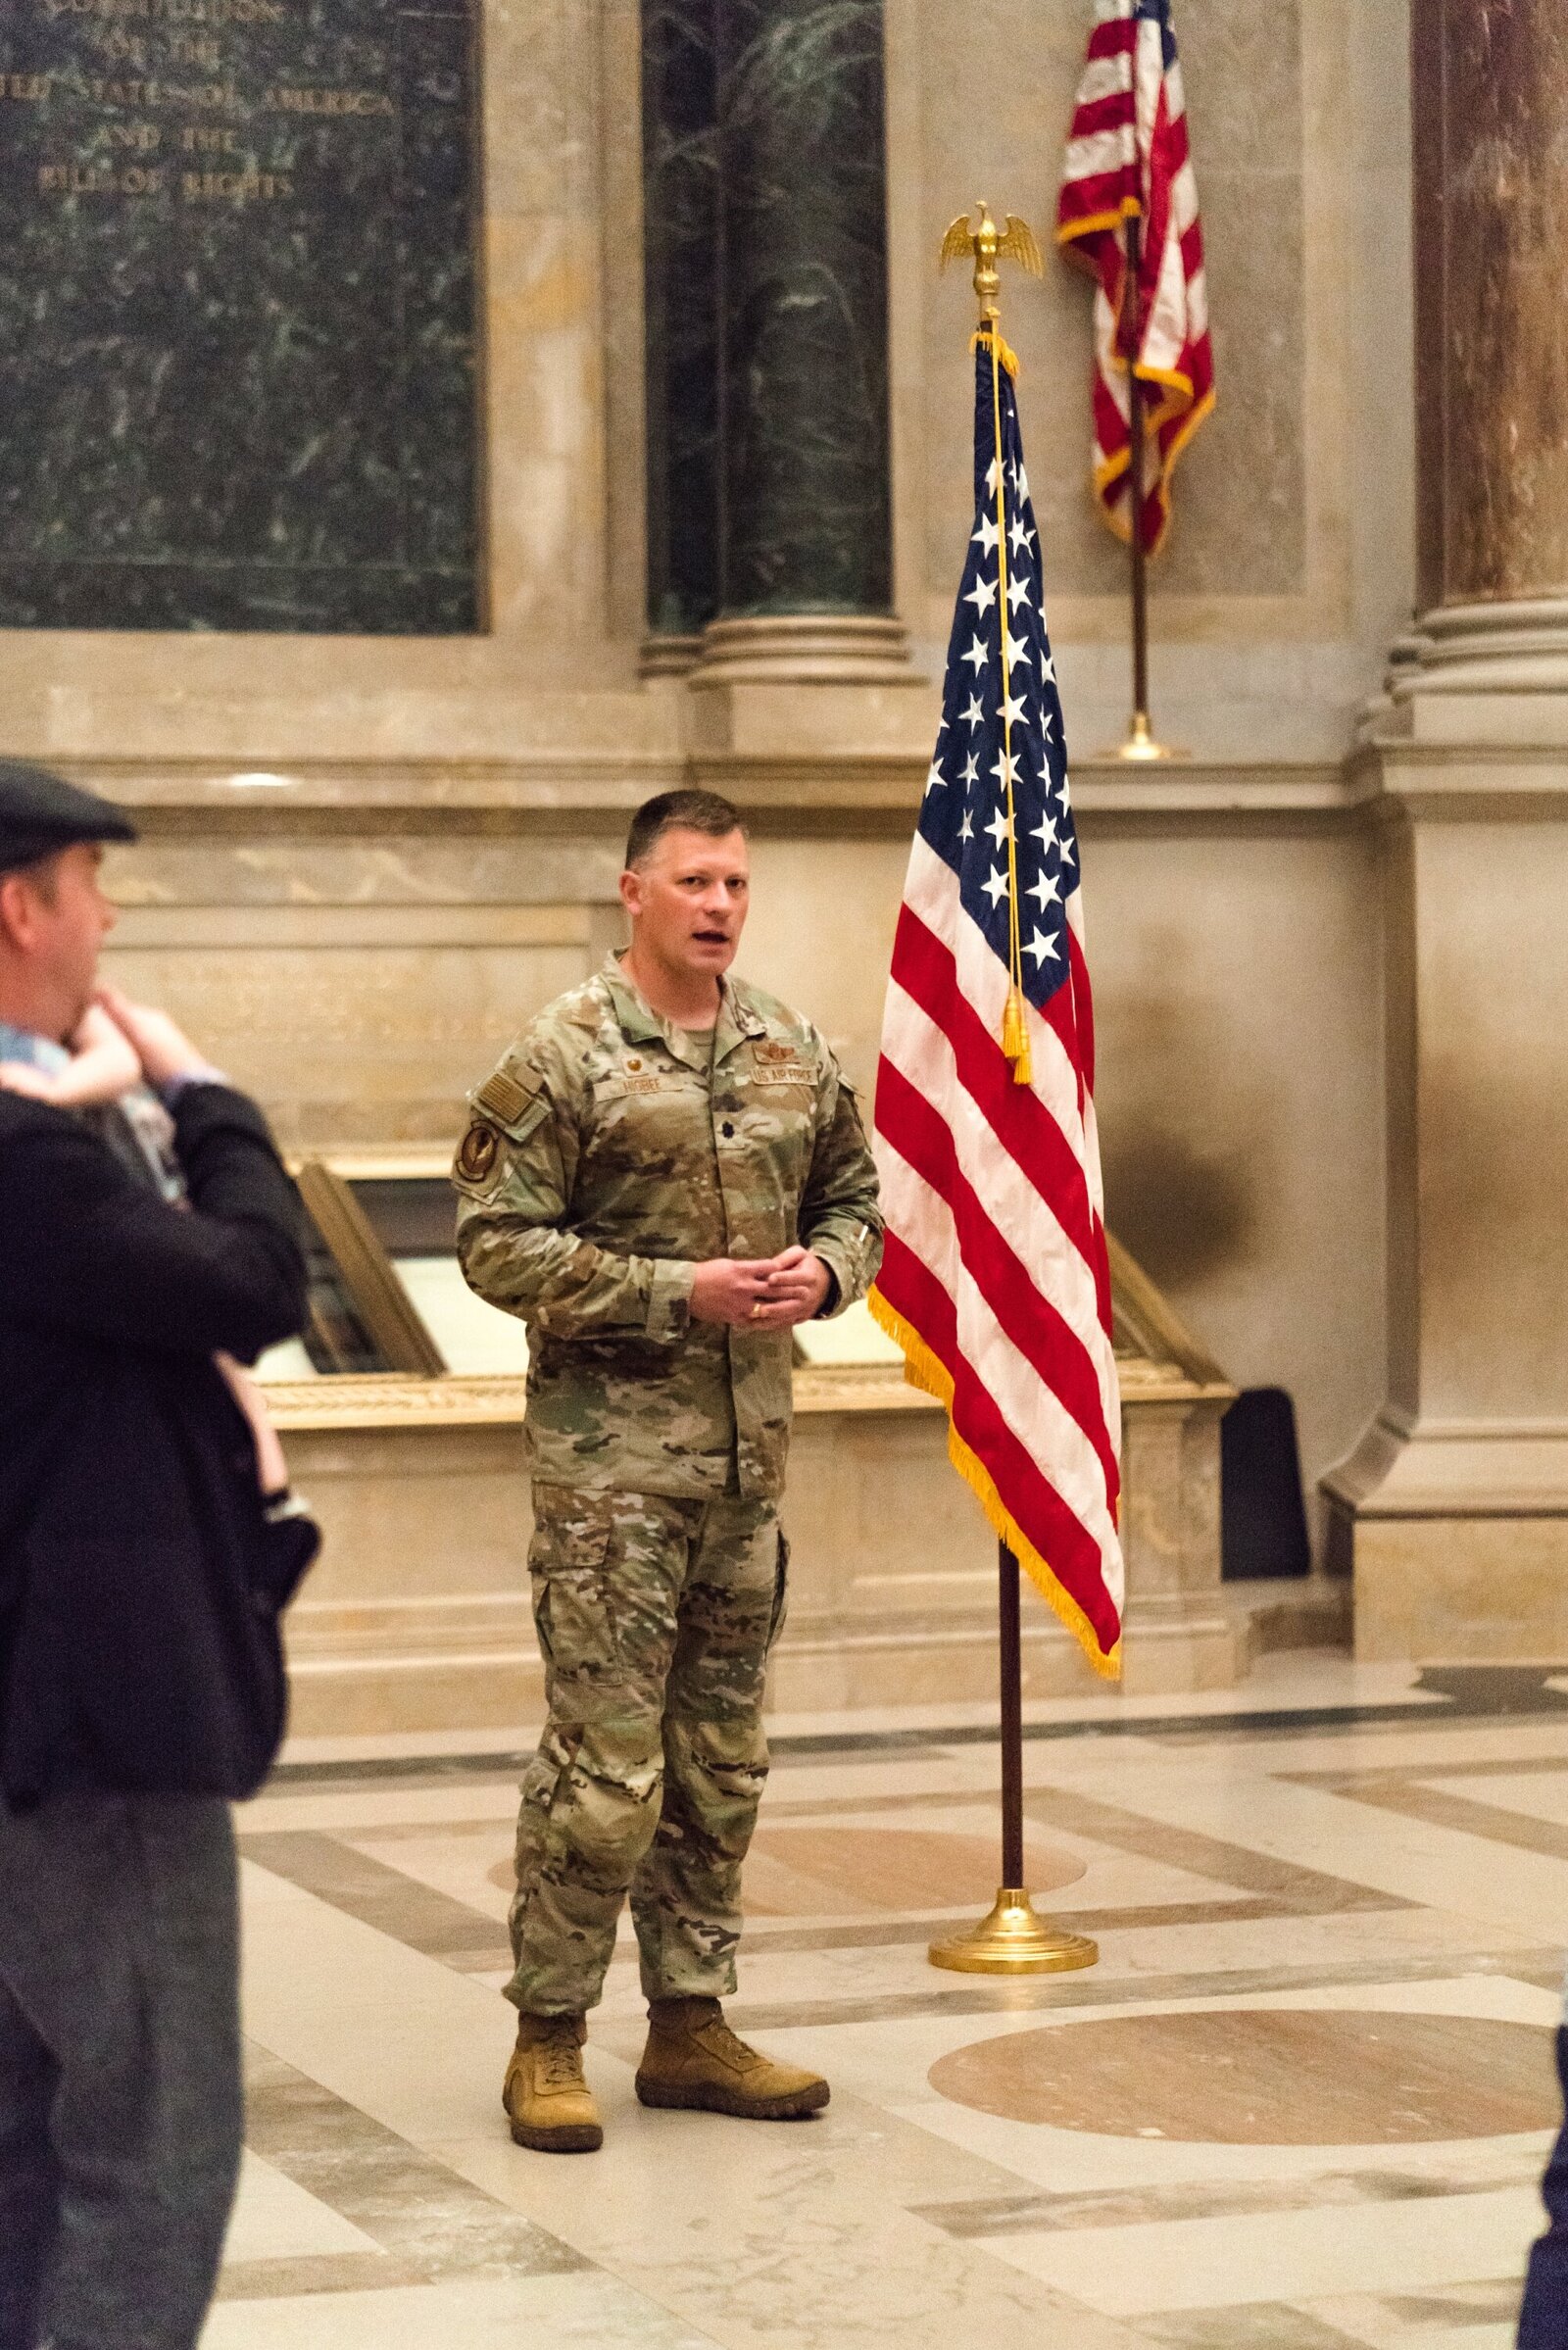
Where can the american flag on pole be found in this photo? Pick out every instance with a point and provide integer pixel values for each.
(1127, 156)
(995, 1279)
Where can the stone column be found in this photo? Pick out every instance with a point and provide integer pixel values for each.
(1490, 128)
(805, 521)
(1454, 1507)
(680, 251)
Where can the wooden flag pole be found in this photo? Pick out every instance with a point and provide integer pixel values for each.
(1010, 1710)
(1140, 743)
(1014, 1939)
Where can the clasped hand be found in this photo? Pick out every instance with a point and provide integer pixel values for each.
(117, 1044)
(766, 1293)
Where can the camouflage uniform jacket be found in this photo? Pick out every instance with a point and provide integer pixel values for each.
(607, 1157)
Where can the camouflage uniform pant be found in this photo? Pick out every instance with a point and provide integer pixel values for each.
(655, 1617)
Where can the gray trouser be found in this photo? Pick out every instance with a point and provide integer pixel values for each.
(120, 2106)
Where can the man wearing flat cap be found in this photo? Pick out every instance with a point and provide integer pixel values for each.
(140, 1578)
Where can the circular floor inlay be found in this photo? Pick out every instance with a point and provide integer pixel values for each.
(1266, 2077)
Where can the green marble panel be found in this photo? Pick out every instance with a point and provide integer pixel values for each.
(680, 245)
(802, 290)
(237, 335)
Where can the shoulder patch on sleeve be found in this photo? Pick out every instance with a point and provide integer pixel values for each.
(507, 1092)
(476, 1153)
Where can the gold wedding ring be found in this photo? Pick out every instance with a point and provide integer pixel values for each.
(756, 1308)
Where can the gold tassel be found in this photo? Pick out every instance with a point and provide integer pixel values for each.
(982, 340)
(1015, 1038)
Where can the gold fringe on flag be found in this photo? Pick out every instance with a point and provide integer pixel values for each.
(922, 1369)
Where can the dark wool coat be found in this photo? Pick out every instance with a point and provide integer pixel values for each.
(140, 1585)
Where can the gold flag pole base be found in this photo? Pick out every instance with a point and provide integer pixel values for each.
(1015, 1941)
(1140, 745)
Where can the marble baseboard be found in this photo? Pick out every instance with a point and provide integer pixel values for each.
(1455, 1534)
(1317, 1612)
(474, 1665)
(1456, 1589)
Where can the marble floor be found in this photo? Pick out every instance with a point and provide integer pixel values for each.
(1302, 2102)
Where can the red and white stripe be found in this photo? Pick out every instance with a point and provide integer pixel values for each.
(1128, 154)
(996, 1254)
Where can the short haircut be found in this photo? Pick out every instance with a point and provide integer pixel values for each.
(707, 812)
(42, 873)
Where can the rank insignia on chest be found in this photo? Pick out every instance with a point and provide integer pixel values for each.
(476, 1153)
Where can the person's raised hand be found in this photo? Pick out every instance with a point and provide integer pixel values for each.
(163, 1049)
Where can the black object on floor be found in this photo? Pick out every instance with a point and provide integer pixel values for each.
(1262, 1515)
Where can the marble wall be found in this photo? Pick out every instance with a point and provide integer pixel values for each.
(359, 987)
(680, 240)
(1239, 1027)
(1289, 567)
(366, 860)
(239, 310)
(560, 270)
(802, 292)
(1242, 522)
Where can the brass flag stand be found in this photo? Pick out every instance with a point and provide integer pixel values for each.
(1012, 1939)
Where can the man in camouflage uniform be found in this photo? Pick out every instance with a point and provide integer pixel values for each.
(665, 1172)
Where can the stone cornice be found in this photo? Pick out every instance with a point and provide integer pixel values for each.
(867, 794)
(870, 792)
(1455, 781)
(389, 1400)
(532, 791)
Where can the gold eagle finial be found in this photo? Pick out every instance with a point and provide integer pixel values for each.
(990, 244)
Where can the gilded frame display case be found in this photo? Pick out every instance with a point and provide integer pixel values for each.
(402, 1408)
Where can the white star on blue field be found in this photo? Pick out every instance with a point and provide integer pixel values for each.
(964, 814)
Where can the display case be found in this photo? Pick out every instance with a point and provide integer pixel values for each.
(401, 1408)
(388, 1301)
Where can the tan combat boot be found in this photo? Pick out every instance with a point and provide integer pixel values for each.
(694, 2059)
(548, 2103)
